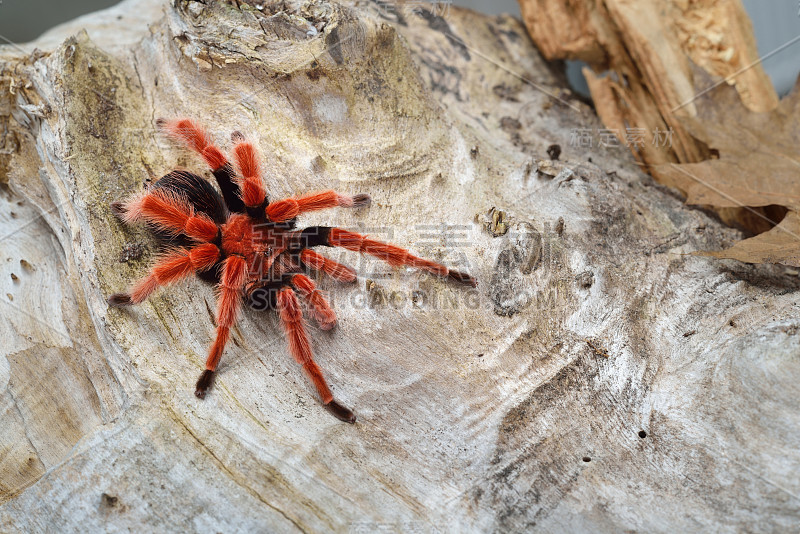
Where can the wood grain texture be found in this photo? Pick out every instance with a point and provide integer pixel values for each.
(643, 54)
(515, 406)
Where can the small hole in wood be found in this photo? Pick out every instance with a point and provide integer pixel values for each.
(642, 434)
(587, 459)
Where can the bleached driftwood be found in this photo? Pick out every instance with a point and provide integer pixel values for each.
(599, 379)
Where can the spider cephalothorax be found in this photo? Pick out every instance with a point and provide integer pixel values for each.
(248, 245)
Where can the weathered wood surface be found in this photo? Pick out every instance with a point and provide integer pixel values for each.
(519, 406)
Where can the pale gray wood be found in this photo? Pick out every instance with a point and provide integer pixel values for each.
(476, 410)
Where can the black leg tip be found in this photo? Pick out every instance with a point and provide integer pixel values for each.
(463, 278)
(119, 299)
(161, 122)
(118, 208)
(340, 412)
(203, 383)
(361, 200)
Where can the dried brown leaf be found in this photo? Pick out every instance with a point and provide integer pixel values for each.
(759, 154)
(779, 245)
(758, 165)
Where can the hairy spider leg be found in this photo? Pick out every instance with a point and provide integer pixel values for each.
(251, 184)
(322, 311)
(289, 208)
(169, 212)
(300, 348)
(392, 254)
(197, 192)
(196, 138)
(333, 269)
(175, 266)
(300, 244)
(229, 302)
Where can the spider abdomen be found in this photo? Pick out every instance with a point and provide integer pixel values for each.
(197, 191)
(250, 248)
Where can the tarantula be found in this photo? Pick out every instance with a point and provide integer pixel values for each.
(250, 248)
